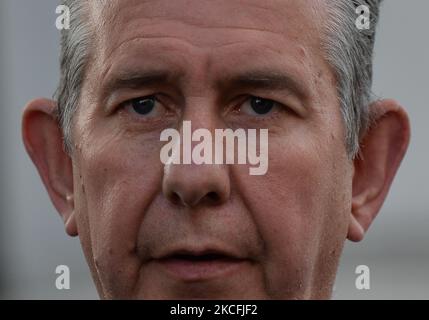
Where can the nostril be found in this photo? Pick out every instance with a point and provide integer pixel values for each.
(213, 197)
(175, 198)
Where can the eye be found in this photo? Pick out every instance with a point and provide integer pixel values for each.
(257, 106)
(147, 106)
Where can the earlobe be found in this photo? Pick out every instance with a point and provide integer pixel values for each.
(355, 232)
(43, 141)
(70, 219)
(381, 152)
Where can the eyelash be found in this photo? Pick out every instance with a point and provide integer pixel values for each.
(235, 108)
(275, 114)
(155, 96)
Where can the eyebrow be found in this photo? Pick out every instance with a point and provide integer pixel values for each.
(256, 79)
(266, 79)
(136, 79)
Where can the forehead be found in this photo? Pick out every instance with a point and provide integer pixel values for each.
(202, 42)
(208, 23)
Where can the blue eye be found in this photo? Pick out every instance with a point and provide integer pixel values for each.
(144, 105)
(147, 107)
(257, 106)
(261, 106)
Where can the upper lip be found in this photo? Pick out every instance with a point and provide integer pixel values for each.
(209, 252)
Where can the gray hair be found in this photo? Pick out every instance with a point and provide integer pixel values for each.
(74, 57)
(348, 50)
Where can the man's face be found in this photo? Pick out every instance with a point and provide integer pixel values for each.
(151, 230)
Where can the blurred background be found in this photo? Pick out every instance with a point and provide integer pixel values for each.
(32, 237)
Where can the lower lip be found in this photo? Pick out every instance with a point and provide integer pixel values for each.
(191, 270)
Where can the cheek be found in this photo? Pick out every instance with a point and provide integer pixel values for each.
(117, 182)
(293, 206)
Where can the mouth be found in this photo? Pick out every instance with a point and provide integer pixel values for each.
(189, 265)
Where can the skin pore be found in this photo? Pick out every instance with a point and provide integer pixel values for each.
(203, 61)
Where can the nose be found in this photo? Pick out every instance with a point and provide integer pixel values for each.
(192, 185)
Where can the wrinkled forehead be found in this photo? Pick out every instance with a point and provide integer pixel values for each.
(207, 23)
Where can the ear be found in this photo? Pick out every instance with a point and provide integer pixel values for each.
(381, 152)
(43, 140)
